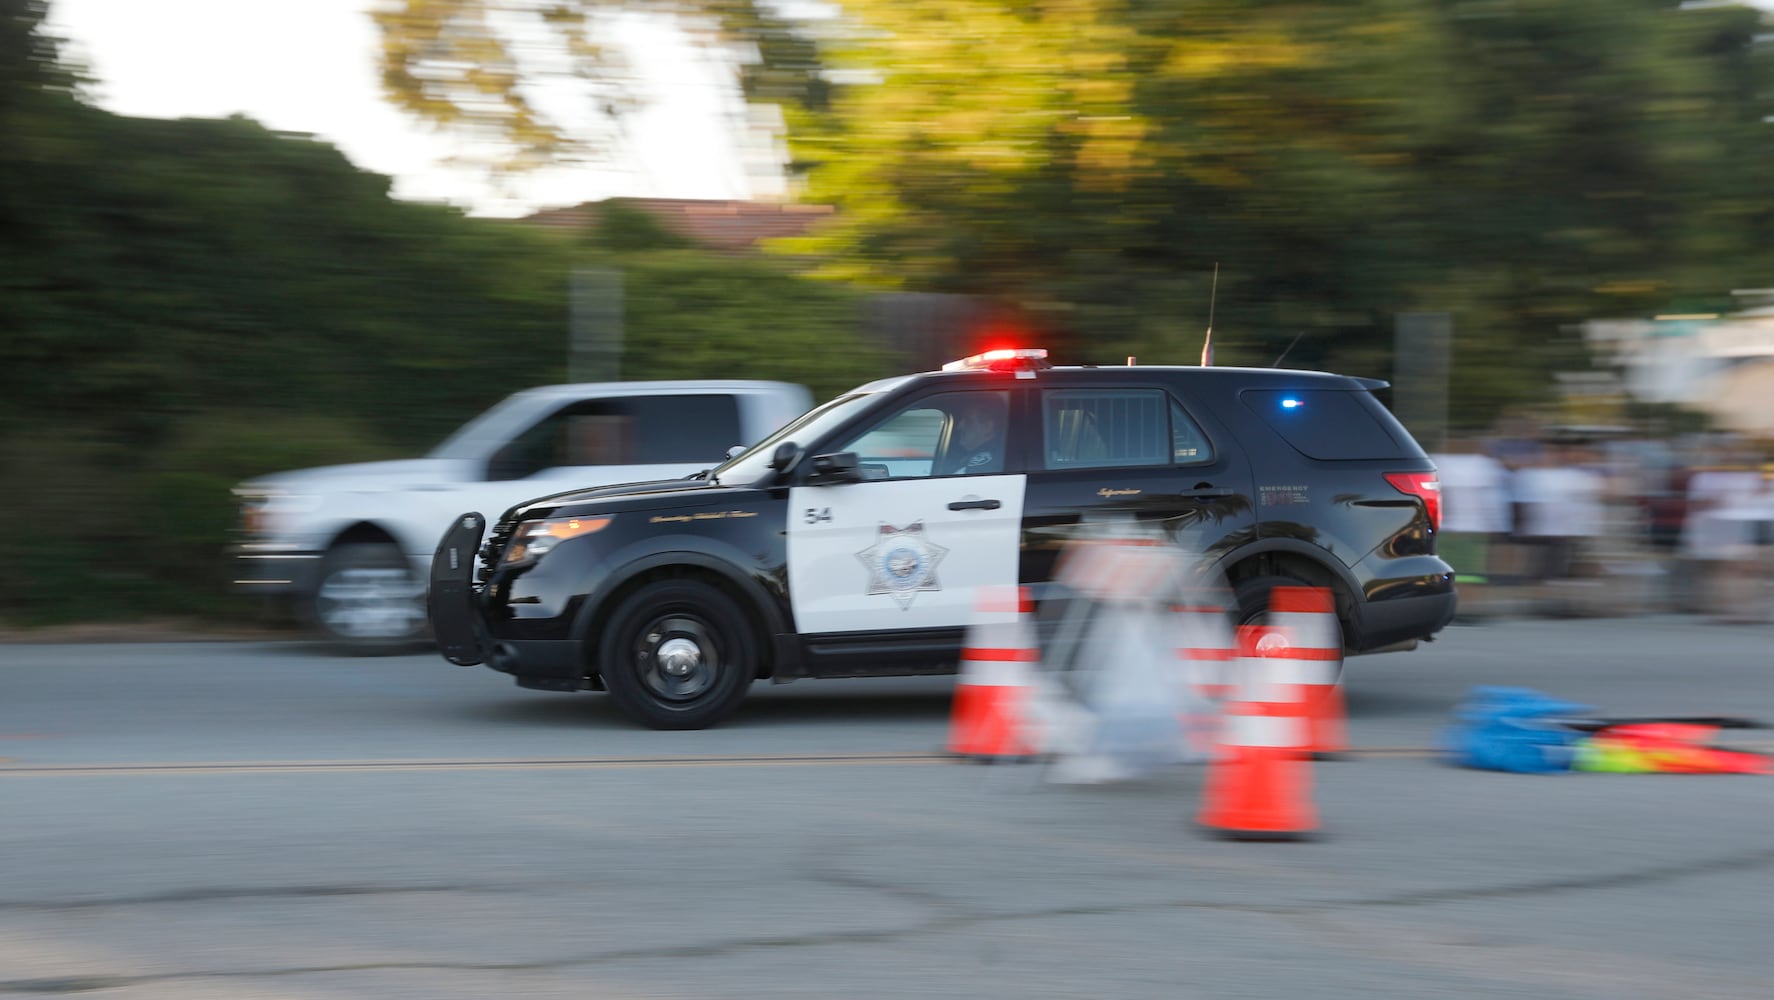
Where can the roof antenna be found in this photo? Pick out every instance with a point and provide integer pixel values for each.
(1207, 346)
(1289, 350)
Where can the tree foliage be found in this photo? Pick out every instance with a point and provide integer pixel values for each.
(537, 82)
(1524, 165)
(185, 304)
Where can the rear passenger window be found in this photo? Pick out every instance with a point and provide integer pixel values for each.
(1187, 444)
(1329, 424)
(1104, 428)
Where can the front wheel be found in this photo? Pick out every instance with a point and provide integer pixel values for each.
(678, 654)
(369, 601)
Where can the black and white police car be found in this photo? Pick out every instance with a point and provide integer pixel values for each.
(851, 542)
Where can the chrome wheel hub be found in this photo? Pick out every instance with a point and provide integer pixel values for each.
(1273, 642)
(677, 658)
(370, 604)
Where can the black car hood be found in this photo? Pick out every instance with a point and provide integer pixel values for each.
(627, 496)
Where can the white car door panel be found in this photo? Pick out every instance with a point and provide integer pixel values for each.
(901, 554)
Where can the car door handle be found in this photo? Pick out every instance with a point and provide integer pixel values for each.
(1206, 494)
(975, 505)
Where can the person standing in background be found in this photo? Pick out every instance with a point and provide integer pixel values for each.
(1561, 507)
(1728, 514)
(1475, 517)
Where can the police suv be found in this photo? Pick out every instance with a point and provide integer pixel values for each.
(852, 541)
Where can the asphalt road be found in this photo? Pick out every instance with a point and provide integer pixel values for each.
(195, 820)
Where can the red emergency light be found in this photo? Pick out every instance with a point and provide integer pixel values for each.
(1022, 360)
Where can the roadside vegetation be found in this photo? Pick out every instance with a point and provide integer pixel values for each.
(184, 304)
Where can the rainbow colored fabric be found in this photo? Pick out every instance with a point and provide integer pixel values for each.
(1665, 748)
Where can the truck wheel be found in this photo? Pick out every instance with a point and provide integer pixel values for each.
(678, 654)
(368, 600)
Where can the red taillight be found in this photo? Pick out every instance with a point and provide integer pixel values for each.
(1425, 486)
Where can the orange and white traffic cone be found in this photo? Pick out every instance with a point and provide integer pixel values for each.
(1307, 619)
(1207, 654)
(1260, 788)
(987, 721)
(1207, 647)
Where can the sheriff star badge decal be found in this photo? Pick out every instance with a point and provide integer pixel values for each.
(902, 562)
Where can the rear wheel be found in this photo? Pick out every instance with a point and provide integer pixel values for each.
(678, 654)
(1252, 599)
(1321, 700)
(369, 601)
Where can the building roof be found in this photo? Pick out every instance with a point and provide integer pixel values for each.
(728, 226)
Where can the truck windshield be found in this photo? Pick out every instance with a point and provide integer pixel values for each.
(478, 437)
(754, 464)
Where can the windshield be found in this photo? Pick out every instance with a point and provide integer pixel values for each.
(754, 464)
(478, 438)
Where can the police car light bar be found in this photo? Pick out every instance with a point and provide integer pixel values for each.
(1006, 360)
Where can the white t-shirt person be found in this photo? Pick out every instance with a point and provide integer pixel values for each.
(1474, 494)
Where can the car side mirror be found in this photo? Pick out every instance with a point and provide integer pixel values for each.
(785, 456)
(838, 467)
(735, 451)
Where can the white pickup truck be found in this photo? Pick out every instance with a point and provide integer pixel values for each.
(348, 545)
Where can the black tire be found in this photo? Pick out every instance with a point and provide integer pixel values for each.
(678, 654)
(368, 600)
(1252, 599)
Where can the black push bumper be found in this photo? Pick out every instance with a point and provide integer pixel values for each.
(453, 605)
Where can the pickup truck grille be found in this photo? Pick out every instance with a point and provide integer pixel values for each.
(494, 548)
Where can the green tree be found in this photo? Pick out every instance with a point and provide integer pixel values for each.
(185, 304)
(30, 57)
(482, 68)
(1525, 165)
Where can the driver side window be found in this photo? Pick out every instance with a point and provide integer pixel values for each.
(912, 442)
(903, 447)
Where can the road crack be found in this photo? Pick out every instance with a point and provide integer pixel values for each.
(221, 894)
(958, 917)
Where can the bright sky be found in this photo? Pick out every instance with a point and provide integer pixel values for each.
(309, 66)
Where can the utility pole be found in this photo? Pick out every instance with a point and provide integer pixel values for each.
(595, 349)
(1421, 358)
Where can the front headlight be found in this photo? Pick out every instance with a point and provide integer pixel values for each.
(254, 519)
(534, 539)
(266, 510)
